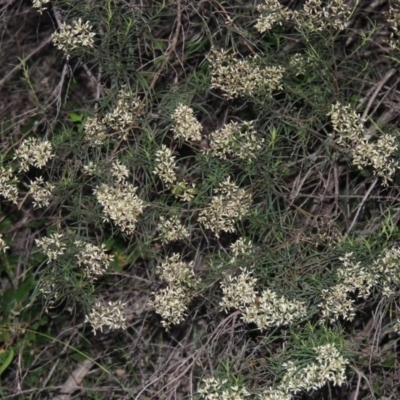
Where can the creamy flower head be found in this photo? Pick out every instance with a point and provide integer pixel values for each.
(119, 120)
(33, 152)
(8, 184)
(229, 205)
(337, 304)
(273, 13)
(95, 131)
(387, 267)
(243, 77)
(393, 18)
(329, 366)
(215, 389)
(75, 36)
(165, 165)
(90, 168)
(171, 302)
(186, 126)
(41, 192)
(93, 259)
(235, 139)
(273, 310)
(120, 204)
(119, 171)
(126, 113)
(39, 5)
(3, 246)
(171, 229)
(314, 15)
(350, 134)
(275, 394)
(166, 168)
(396, 326)
(109, 315)
(238, 291)
(175, 271)
(241, 247)
(52, 246)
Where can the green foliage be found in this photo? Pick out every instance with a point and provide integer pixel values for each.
(280, 203)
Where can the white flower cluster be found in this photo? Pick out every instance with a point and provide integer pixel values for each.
(387, 267)
(275, 394)
(235, 139)
(95, 131)
(300, 64)
(166, 166)
(3, 246)
(52, 246)
(272, 310)
(123, 117)
(241, 247)
(186, 126)
(171, 229)
(354, 279)
(50, 290)
(89, 168)
(39, 4)
(93, 259)
(393, 18)
(314, 16)
(174, 271)
(231, 204)
(238, 291)
(119, 171)
(8, 184)
(33, 152)
(380, 154)
(171, 302)
(165, 170)
(120, 204)
(329, 366)
(272, 13)
(239, 78)
(347, 124)
(41, 192)
(72, 37)
(396, 326)
(265, 311)
(215, 389)
(110, 315)
(337, 303)
(125, 114)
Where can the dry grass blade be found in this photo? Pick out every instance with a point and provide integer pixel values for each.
(71, 385)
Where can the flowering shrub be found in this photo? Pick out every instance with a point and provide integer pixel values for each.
(212, 190)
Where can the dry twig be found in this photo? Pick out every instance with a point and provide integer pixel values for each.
(74, 380)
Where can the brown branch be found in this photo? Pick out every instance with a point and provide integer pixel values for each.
(360, 206)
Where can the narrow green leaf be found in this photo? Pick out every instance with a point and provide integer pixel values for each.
(6, 359)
